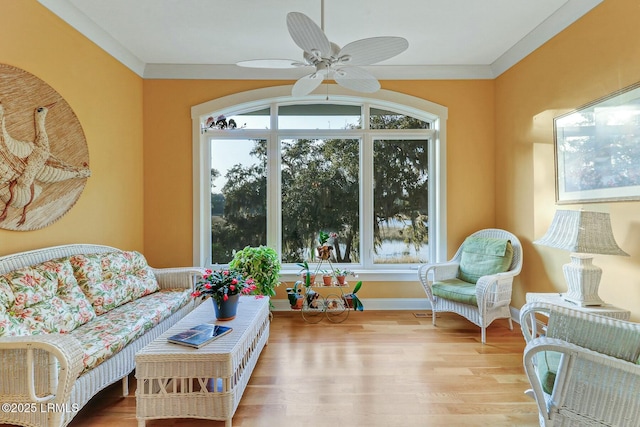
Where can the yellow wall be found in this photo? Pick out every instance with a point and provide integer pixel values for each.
(107, 99)
(168, 179)
(500, 144)
(597, 55)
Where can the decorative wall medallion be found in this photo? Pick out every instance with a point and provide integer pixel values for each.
(44, 160)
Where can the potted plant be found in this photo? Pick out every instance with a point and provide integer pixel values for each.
(324, 250)
(327, 277)
(294, 296)
(224, 287)
(307, 277)
(352, 300)
(261, 264)
(341, 275)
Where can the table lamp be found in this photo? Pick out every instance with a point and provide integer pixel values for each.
(583, 233)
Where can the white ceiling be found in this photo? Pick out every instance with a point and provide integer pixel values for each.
(454, 39)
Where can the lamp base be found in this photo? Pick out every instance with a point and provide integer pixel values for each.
(583, 280)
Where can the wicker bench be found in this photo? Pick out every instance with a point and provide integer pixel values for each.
(176, 381)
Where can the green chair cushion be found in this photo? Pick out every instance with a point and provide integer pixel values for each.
(547, 369)
(456, 290)
(483, 256)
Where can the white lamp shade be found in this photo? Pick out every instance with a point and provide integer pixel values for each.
(582, 232)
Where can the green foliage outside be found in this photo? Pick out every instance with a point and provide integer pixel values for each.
(320, 191)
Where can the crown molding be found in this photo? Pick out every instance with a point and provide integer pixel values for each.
(561, 19)
(85, 26)
(382, 72)
(571, 11)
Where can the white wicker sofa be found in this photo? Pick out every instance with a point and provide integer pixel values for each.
(583, 368)
(72, 318)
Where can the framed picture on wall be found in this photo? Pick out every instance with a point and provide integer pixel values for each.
(597, 150)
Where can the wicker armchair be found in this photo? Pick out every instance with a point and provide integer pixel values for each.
(583, 368)
(491, 294)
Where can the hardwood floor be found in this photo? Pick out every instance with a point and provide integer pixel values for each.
(377, 369)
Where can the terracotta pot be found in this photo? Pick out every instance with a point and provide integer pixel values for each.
(348, 301)
(326, 280)
(341, 279)
(311, 276)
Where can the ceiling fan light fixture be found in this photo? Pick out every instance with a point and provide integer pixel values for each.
(328, 58)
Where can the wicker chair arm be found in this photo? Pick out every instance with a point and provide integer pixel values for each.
(494, 289)
(64, 365)
(180, 277)
(429, 273)
(530, 324)
(605, 373)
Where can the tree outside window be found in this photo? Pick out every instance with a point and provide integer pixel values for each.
(322, 188)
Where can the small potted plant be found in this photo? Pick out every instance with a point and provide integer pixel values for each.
(341, 275)
(308, 278)
(224, 287)
(327, 277)
(352, 300)
(324, 250)
(294, 295)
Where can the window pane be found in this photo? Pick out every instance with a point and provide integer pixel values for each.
(320, 192)
(319, 116)
(383, 119)
(401, 197)
(238, 196)
(259, 119)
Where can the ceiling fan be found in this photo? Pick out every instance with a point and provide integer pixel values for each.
(329, 60)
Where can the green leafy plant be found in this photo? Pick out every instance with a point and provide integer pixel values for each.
(261, 264)
(304, 268)
(293, 295)
(341, 272)
(323, 236)
(355, 301)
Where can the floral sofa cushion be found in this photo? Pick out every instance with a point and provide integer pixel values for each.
(40, 299)
(112, 279)
(111, 332)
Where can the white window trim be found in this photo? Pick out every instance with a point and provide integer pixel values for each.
(282, 94)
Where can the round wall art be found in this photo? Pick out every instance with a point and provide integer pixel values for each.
(44, 160)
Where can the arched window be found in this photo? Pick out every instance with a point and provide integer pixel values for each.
(270, 169)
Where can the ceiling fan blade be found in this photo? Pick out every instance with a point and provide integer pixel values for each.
(372, 50)
(307, 35)
(357, 79)
(307, 84)
(271, 63)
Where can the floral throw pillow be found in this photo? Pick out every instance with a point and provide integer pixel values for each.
(112, 279)
(44, 298)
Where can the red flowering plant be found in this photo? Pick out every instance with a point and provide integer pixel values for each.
(221, 284)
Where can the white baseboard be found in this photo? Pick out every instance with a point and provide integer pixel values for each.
(389, 304)
(373, 304)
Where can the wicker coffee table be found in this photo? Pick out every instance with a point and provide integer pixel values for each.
(176, 381)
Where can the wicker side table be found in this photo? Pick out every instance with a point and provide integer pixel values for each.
(557, 299)
(176, 381)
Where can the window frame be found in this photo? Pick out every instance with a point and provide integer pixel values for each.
(272, 98)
